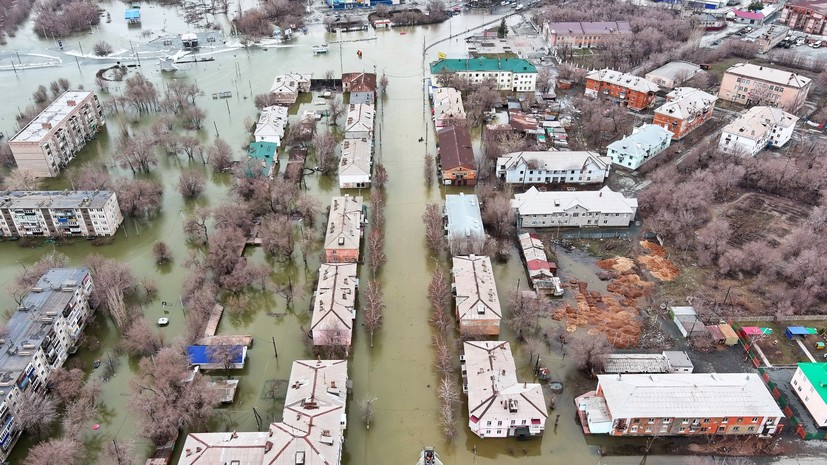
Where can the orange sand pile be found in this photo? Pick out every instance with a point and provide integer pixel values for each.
(655, 261)
(619, 264)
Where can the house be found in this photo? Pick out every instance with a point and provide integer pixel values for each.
(562, 167)
(749, 84)
(604, 208)
(59, 213)
(42, 330)
(448, 109)
(540, 271)
(362, 87)
(457, 164)
(523, 123)
(748, 17)
(311, 431)
(680, 404)
(355, 164)
(217, 357)
(633, 91)
(687, 321)
(673, 74)
(679, 361)
(132, 16)
(344, 231)
(686, 109)
(647, 363)
(271, 124)
(55, 136)
(643, 144)
(265, 154)
(334, 305)
(286, 87)
(509, 74)
(359, 124)
(475, 294)
(584, 34)
(809, 16)
(810, 385)
(463, 224)
(499, 405)
(756, 129)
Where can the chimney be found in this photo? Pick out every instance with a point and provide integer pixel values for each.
(71, 103)
(46, 125)
(600, 193)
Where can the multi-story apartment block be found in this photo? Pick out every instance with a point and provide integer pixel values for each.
(448, 109)
(756, 129)
(355, 164)
(334, 305)
(586, 209)
(59, 213)
(810, 384)
(475, 293)
(680, 404)
(749, 84)
(809, 16)
(463, 224)
(584, 34)
(345, 228)
(41, 334)
(53, 138)
(311, 431)
(510, 74)
(561, 167)
(686, 108)
(640, 146)
(499, 405)
(359, 123)
(633, 91)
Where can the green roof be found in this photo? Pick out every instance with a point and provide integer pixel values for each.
(262, 150)
(817, 374)
(515, 65)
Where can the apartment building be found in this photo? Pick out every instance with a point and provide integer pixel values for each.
(311, 432)
(59, 213)
(749, 84)
(456, 163)
(643, 144)
(355, 164)
(585, 209)
(633, 91)
(810, 385)
(362, 87)
(475, 294)
(510, 74)
(345, 227)
(286, 87)
(680, 404)
(809, 16)
(53, 138)
(448, 109)
(584, 34)
(40, 334)
(463, 224)
(756, 129)
(334, 305)
(563, 167)
(359, 123)
(686, 109)
(271, 124)
(499, 405)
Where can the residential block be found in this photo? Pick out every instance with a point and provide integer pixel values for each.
(59, 213)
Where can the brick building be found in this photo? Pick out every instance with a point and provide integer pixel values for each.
(809, 16)
(685, 109)
(749, 84)
(584, 34)
(633, 91)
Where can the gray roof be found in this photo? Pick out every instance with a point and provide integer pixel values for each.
(51, 116)
(643, 138)
(463, 213)
(54, 199)
(672, 69)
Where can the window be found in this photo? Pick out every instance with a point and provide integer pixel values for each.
(499, 423)
(740, 420)
(725, 419)
(488, 423)
(755, 419)
(735, 429)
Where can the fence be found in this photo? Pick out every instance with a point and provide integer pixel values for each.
(779, 318)
(784, 404)
(581, 234)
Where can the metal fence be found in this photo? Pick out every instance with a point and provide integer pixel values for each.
(779, 318)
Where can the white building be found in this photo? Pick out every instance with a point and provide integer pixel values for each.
(499, 405)
(640, 146)
(673, 74)
(810, 385)
(40, 334)
(310, 433)
(463, 224)
(271, 124)
(334, 305)
(603, 208)
(756, 129)
(59, 213)
(475, 294)
(447, 107)
(52, 139)
(670, 361)
(286, 87)
(355, 164)
(359, 124)
(553, 167)
(509, 74)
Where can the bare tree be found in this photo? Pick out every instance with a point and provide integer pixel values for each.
(335, 110)
(137, 153)
(193, 117)
(35, 413)
(66, 384)
(383, 83)
(448, 394)
(195, 226)
(191, 183)
(376, 249)
(225, 356)
(118, 452)
(380, 175)
(277, 236)
(498, 217)
(89, 177)
(439, 296)
(102, 48)
(140, 339)
(220, 155)
(374, 309)
(21, 180)
(429, 169)
(589, 352)
(434, 228)
(113, 282)
(367, 409)
(526, 309)
(325, 145)
(59, 451)
(162, 252)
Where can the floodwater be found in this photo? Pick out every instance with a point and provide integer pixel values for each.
(398, 369)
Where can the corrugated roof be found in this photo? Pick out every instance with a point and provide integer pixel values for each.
(626, 80)
(476, 291)
(515, 65)
(534, 202)
(464, 219)
(641, 140)
(455, 150)
(765, 73)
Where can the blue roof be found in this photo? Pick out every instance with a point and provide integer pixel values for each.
(132, 13)
(199, 355)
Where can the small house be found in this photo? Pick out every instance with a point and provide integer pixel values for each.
(730, 336)
(264, 153)
(132, 16)
(687, 321)
(457, 164)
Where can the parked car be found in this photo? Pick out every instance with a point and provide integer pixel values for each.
(816, 44)
(519, 7)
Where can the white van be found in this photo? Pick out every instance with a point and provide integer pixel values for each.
(816, 44)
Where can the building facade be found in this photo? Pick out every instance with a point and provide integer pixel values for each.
(52, 139)
(586, 209)
(643, 144)
(685, 110)
(584, 34)
(59, 213)
(680, 404)
(632, 91)
(463, 224)
(345, 227)
(499, 405)
(749, 84)
(457, 165)
(355, 164)
(509, 74)
(41, 334)
(286, 87)
(448, 109)
(756, 129)
(359, 122)
(334, 305)
(809, 16)
(810, 385)
(563, 167)
(475, 294)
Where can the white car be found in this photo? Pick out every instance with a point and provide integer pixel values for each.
(519, 7)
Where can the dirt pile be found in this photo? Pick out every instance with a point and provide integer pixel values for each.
(655, 261)
(616, 319)
(619, 264)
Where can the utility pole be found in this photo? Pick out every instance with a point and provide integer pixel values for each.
(275, 351)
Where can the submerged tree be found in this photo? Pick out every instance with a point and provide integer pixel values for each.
(374, 309)
(367, 409)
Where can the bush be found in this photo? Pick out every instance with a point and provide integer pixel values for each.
(61, 18)
(102, 49)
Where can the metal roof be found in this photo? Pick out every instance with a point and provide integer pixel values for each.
(515, 65)
(52, 116)
(464, 219)
(54, 199)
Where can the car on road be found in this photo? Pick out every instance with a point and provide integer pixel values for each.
(519, 7)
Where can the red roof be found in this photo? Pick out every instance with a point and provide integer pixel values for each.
(748, 14)
(455, 149)
(537, 264)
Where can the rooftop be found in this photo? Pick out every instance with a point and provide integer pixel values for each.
(641, 140)
(448, 103)
(534, 202)
(554, 161)
(688, 395)
(359, 117)
(818, 5)
(515, 65)
(675, 69)
(356, 158)
(272, 121)
(54, 199)
(360, 82)
(53, 115)
(756, 15)
(687, 102)
(816, 373)
(335, 300)
(476, 291)
(626, 80)
(635, 363)
(758, 121)
(765, 73)
(289, 82)
(464, 219)
(455, 150)
(344, 226)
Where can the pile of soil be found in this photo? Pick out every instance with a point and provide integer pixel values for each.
(617, 320)
(619, 264)
(655, 261)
